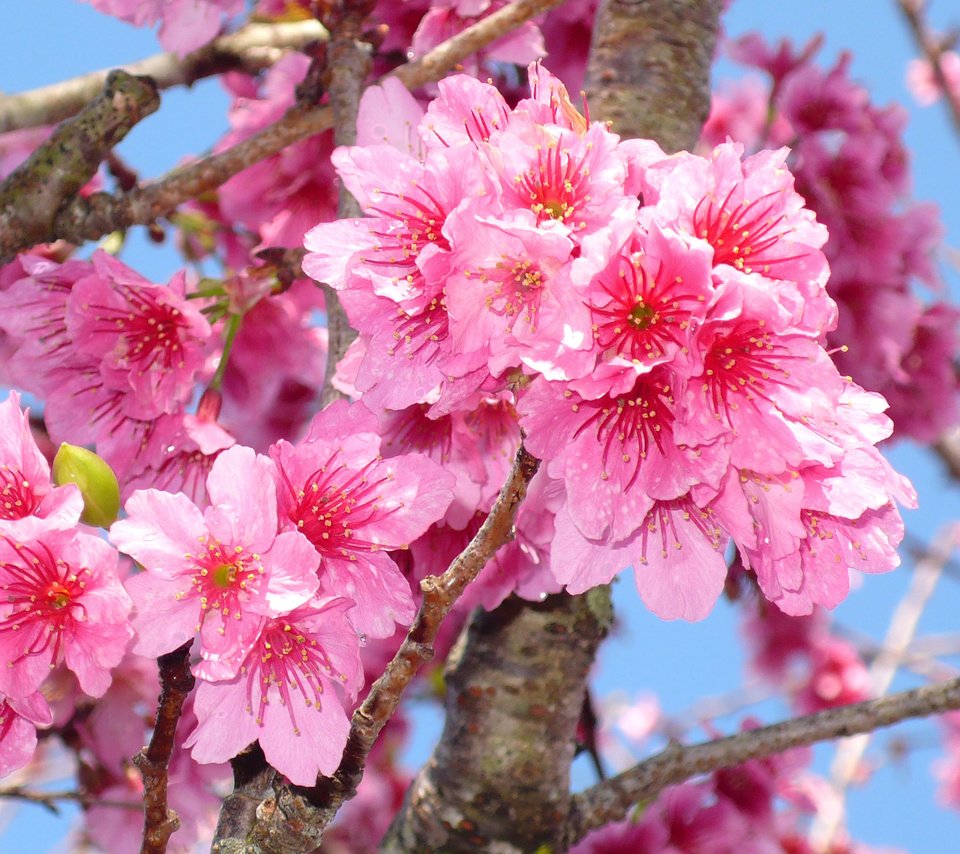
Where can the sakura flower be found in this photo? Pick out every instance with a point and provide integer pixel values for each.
(148, 339)
(26, 492)
(62, 602)
(616, 453)
(746, 209)
(677, 555)
(289, 694)
(353, 507)
(217, 572)
(19, 719)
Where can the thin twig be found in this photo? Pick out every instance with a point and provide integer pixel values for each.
(296, 818)
(932, 48)
(48, 800)
(251, 48)
(903, 626)
(612, 799)
(176, 682)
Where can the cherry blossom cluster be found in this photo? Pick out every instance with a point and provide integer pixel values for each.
(657, 323)
(116, 359)
(852, 169)
(281, 577)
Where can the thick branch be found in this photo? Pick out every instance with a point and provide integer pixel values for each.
(90, 219)
(176, 682)
(349, 64)
(250, 49)
(649, 71)
(612, 799)
(32, 194)
(293, 820)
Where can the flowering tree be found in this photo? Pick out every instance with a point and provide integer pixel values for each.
(451, 350)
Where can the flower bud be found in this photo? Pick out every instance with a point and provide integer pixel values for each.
(95, 479)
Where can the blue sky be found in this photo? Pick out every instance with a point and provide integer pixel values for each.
(48, 40)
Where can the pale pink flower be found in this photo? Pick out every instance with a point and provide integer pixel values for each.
(923, 83)
(289, 693)
(677, 554)
(648, 303)
(746, 209)
(62, 602)
(616, 453)
(216, 572)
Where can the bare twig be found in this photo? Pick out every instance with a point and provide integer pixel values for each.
(49, 800)
(933, 49)
(295, 818)
(251, 48)
(89, 219)
(176, 682)
(32, 194)
(894, 649)
(433, 65)
(612, 799)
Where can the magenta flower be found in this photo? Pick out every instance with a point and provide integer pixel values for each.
(149, 340)
(62, 602)
(289, 692)
(217, 572)
(354, 507)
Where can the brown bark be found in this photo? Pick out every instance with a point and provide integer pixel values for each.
(500, 775)
(33, 194)
(499, 778)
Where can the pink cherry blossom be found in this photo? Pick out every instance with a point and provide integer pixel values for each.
(26, 492)
(289, 693)
(19, 719)
(216, 572)
(63, 602)
(353, 507)
(149, 340)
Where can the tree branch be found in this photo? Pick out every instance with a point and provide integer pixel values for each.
(294, 818)
(48, 800)
(251, 48)
(33, 193)
(900, 633)
(612, 799)
(932, 48)
(176, 682)
(349, 65)
(89, 219)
